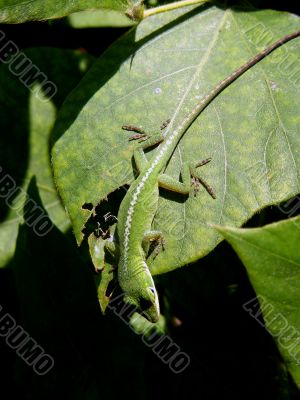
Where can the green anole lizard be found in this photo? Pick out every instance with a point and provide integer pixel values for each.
(139, 205)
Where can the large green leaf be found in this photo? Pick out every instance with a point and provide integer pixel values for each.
(25, 135)
(159, 71)
(98, 18)
(272, 257)
(17, 11)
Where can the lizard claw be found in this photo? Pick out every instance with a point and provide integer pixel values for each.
(139, 136)
(196, 182)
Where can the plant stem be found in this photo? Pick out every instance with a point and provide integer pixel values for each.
(172, 6)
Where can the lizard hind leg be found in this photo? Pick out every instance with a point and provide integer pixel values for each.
(198, 180)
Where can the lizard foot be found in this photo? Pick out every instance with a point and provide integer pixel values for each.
(140, 134)
(159, 245)
(197, 180)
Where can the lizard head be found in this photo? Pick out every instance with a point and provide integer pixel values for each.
(146, 301)
(149, 304)
(140, 292)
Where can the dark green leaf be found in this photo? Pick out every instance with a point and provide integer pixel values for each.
(271, 256)
(98, 18)
(17, 11)
(26, 123)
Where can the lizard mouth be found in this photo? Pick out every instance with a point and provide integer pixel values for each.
(151, 317)
(150, 312)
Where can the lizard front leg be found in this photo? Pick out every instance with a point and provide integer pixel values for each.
(189, 176)
(112, 248)
(150, 237)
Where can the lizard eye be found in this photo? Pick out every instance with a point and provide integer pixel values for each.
(152, 290)
(147, 300)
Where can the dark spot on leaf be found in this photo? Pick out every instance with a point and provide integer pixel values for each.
(87, 206)
(104, 214)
